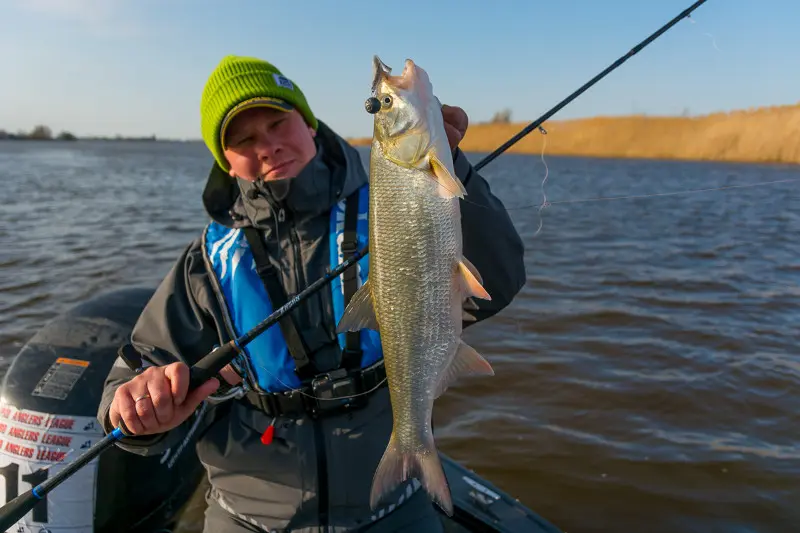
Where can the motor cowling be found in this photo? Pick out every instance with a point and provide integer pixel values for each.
(48, 408)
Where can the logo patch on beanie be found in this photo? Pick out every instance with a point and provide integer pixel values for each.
(282, 81)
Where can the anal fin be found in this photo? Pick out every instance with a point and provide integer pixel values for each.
(466, 362)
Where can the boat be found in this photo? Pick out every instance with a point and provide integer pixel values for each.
(48, 405)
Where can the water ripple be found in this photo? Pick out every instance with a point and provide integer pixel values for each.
(647, 375)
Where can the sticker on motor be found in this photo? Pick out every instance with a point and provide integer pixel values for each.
(69, 508)
(60, 378)
(11, 416)
(33, 447)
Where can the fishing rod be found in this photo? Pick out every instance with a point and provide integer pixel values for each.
(203, 370)
(632, 52)
(213, 362)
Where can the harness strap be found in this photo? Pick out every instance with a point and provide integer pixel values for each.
(351, 355)
(269, 277)
(305, 400)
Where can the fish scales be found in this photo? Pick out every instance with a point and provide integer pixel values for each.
(418, 279)
(415, 243)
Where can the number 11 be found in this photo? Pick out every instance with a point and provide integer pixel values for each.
(11, 474)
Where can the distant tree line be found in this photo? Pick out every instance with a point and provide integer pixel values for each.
(39, 133)
(500, 117)
(44, 133)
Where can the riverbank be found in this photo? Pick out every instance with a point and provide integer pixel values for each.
(763, 135)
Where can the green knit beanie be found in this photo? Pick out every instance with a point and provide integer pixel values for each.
(244, 82)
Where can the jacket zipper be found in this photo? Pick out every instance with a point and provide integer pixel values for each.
(280, 209)
(295, 242)
(319, 438)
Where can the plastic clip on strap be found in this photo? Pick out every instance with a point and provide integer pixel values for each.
(16, 509)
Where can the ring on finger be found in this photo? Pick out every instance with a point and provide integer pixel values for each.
(142, 397)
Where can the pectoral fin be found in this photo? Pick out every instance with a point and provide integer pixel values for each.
(472, 269)
(470, 281)
(449, 185)
(467, 362)
(360, 313)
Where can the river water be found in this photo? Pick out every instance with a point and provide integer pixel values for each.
(647, 375)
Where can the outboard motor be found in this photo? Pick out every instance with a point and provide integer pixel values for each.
(48, 410)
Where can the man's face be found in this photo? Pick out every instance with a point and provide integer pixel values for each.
(268, 144)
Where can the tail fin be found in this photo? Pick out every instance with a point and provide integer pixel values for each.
(396, 467)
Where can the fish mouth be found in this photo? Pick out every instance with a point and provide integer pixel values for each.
(383, 73)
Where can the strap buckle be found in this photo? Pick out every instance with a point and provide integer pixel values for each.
(351, 358)
(349, 247)
(264, 269)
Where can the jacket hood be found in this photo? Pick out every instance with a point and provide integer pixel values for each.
(333, 174)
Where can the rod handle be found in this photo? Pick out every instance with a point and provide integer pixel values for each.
(210, 365)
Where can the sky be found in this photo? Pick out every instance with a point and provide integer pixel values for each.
(137, 67)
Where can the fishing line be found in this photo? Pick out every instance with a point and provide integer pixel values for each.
(686, 13)
(370, 391)
(673, 193)
(544, 203)
(547, 203)
(541, 206)
(11, 512)
(713, 39)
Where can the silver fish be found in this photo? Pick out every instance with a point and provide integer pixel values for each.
(418, 278)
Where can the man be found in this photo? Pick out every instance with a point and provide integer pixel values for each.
(287, 199)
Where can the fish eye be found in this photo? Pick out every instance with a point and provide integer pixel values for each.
(386, 101)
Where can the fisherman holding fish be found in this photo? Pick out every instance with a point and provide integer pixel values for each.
(323, 423)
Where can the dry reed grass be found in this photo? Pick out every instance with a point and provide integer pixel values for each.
(764, 135)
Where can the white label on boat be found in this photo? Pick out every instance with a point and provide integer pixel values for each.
(33, 447)
(82, 425)
(480, 488)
